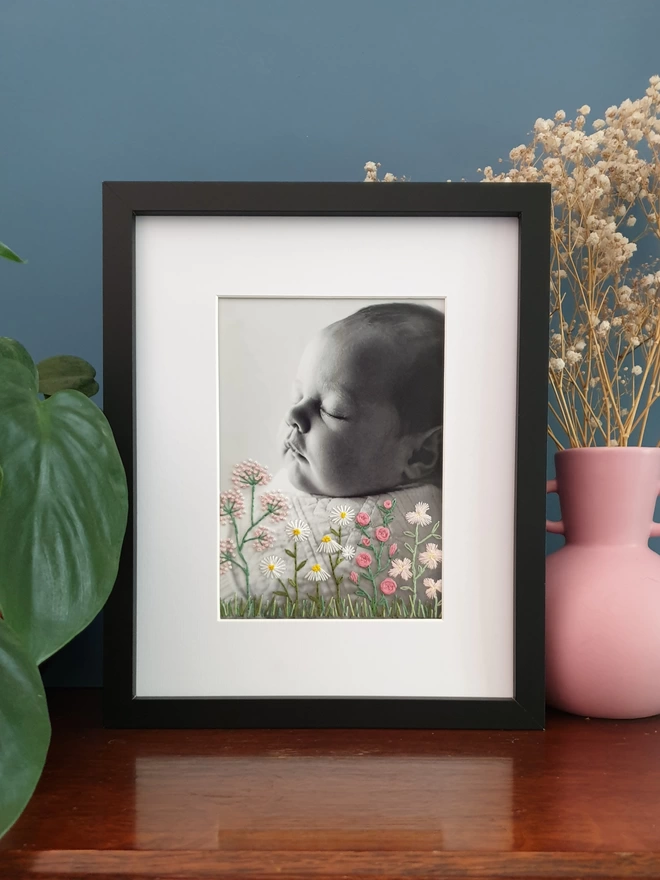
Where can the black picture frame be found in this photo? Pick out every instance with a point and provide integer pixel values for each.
(530, 203)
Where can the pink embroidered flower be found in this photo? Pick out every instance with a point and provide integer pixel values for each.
(354, 576)
(276, 504)
(392, 550)
(387, 504)
(363, 519)
(250, 473)
(365, 542)
(387, 587)
(433, 588)
(227, 549)
(382, 533)
(363, 560)
(231, 504)
(262, 539)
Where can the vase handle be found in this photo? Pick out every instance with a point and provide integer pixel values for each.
(655, 527)
(557, 528)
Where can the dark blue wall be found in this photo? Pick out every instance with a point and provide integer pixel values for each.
(98, 90)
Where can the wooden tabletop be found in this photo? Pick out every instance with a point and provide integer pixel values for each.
(581, 799)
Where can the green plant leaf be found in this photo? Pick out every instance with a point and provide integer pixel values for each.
(24, 727)
(362, 594)
(63, 512)
(289, 553)
(280, 593)
(14, 351)
(8, 254)
(67, 372)
(301, 565)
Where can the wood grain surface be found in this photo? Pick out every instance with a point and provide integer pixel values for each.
(581, 799)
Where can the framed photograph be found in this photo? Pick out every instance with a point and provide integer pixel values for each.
(330, 400)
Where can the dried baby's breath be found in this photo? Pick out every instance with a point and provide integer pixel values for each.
(604, 361)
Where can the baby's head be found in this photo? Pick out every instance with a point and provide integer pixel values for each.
(367, 413)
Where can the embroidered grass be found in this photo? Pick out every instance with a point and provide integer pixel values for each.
(346, 608)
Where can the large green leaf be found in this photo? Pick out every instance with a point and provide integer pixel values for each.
(24, 727)
(63, 511)
(8, 254)
(66, 371)
(10, 348)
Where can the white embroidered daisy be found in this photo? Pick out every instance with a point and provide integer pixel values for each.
(401, 568)
(432, 587)
(348, 552)
(272, 566)
(298, 530)
(431, 556)
(419, 516)
(316, 573)
(328, 545)
(342, 515)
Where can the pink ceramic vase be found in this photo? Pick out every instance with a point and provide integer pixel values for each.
(603, 586)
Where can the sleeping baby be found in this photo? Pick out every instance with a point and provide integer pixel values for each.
(362, 450)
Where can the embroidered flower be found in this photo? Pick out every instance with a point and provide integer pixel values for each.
(231, 504)
(419, 516)
(401, 568)
(387, 587)
(387, 504)
(637, 370)
(272, 566)
(365, 542)
(342, 515)
(250, 473)
(262, 539)
(354, 576)
(276, 504)
(382, 533)
(227, 550)
(348, 552)
(432, 587)
(328, 545)
(297, 530)
(431, 556)
(363, 560)
(363, 519)
(316, 573)
(392, 550)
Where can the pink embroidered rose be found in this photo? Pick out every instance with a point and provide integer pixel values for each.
(363, 519)
(387, 504)
(366, 542)
(354, 576)
(392, 550)
(363, 560)
(387, 587)
(382, 533)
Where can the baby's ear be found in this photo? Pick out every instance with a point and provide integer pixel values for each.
(425, 454)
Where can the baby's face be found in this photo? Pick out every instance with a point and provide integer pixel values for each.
(343, 431)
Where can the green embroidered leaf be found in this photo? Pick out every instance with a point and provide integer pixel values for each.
(290, 553)
(409, 534)
(362, 594)
(280, 593)
(292, 583)
(408, 547)
(335, 533)
(436, 526)
(340, 579)
(302, 565)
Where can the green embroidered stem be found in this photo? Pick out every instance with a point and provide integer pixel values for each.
(239, 550)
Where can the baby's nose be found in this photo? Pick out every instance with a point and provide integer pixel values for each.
(297, 418)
